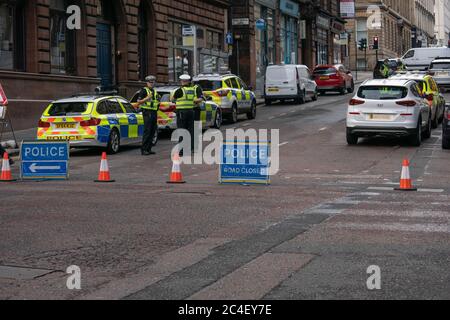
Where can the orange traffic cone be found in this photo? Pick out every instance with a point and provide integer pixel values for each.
(176, 176)
(6, 170)
(104, 176)
(405, 180)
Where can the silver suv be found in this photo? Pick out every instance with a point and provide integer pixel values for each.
(388, 108)
(440, 70)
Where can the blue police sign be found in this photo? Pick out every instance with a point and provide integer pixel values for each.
(245, 162)
(229, 38)
(44, 160)
(261, 24)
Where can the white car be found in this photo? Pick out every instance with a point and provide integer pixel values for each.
(440, 70)
(388, 108)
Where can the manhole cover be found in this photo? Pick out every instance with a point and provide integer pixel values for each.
(22, 273)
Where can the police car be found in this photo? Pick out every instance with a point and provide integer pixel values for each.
(93, 120)
(210, 112)
(231, 93)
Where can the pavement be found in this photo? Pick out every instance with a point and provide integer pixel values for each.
(330, 216)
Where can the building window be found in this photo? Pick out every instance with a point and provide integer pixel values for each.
(62, 40)
(12, 45)
(289, 39)
(214, 40)
(181, 50)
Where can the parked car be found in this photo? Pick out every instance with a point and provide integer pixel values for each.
(334, 78)
(420, 58)
(446, 129)
(230, 93)
(210, 112)
(430, 92)
(440, 70)
(289, 82)
(96, 120)
(393, 65)
(388, 108)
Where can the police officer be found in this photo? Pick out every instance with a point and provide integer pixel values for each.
(149, 103)
(187, 98)
(385, 69)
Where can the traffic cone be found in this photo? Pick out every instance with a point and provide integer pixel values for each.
(405, 180)
(6, 170)
(104, 175)
(176, 176)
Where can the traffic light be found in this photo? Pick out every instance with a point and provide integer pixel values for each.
(362, 44)
(376, 43)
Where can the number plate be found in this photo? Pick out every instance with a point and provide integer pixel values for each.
(324, 78)
(380, 117)
(273, 90)
(65, 125)
(443, 74)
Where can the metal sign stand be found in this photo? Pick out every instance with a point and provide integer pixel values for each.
(5, 122)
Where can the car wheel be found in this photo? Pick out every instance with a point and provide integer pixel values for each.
(315, 96)
(113, 146)
(352, 88)
(252, 114)
(234, 114)
(268, 102)
(427, 133)
(352, 139)
(445, 143)
(218, 120)
(416, 139)
(155, 138)
(343, 90)
(322, 93)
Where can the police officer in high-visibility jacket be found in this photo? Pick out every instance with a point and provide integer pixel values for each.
(149, 103)
(187, 98)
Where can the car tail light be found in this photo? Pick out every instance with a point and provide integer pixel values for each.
(222, 92)
(406, 103)
(355, 113)
(90, 123)
(43, 124)
(335, 76)
(171, 108)
(356, 102)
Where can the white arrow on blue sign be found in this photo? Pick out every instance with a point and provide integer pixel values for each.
(44, 159)
(229, 38)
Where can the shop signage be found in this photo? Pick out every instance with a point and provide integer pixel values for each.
(348, 9)
(241, 22)
(289, 8)
(267, 3)
(323, 22)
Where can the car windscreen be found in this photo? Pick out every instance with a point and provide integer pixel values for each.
(165, 96)
(68, 108)
(209, 85)
(282, 74)
(324, 71)
(440, 66)
(382, 92)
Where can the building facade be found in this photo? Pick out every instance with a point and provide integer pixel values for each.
(424, 22)
(442, 27)
(389, 20)
(120, 42)
(284, 31)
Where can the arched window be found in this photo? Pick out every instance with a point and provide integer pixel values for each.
(12, 35)
(62, 39)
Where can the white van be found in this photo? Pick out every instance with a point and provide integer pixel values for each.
(420, 58)
(289, 82)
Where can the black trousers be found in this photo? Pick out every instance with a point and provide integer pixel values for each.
(150, 127)
(185, 120)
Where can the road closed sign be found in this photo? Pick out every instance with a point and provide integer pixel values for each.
(245, 162)
(44, 160)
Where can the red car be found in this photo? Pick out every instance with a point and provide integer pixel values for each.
(333, 78)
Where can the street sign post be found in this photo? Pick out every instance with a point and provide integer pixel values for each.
(44, 160)
(245, 163)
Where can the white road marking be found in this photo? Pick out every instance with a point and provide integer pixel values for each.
(283, 144)
(427, 228)
(432, 190)
(323, 129)
(283, 114)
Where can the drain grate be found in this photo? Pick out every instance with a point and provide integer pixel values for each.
(22, 273)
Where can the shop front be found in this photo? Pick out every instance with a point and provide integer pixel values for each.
(339, 50)
(264, 40)
(289, 27)
(322, 42)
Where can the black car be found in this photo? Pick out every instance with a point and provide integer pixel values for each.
(393, 64)
(446, 129)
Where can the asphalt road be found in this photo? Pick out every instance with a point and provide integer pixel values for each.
(329, 214)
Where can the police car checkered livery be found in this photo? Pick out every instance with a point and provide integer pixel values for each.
(92, 121)
(230, 93)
